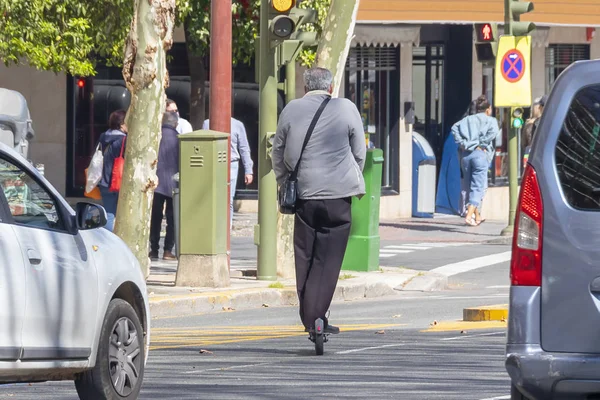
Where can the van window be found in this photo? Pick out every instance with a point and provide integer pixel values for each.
(578, 151)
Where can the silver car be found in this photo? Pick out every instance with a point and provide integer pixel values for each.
(73, 300)
(553, 349)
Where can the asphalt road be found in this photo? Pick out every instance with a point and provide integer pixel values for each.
(386, 351)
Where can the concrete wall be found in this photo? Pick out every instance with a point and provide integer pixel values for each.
(46, 95)
(595, 46)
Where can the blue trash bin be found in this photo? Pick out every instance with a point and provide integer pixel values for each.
(424, 178)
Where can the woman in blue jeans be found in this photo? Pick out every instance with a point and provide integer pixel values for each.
(111, 143)
(475, 136)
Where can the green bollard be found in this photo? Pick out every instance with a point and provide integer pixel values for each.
(362, 253)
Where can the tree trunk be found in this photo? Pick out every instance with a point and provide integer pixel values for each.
(146, 76)
(197, 85)
(333, 48)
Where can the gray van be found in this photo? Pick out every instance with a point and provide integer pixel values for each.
(553, 342)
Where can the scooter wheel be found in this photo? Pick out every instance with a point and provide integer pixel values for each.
(319, 344)
(319, 336)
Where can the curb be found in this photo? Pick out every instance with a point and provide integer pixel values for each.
(365, 286)
(487, 313)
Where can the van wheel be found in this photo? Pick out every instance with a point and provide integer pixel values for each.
(515, 394)
(119, 368)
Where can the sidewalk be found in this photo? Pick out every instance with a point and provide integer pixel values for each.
(247, 292)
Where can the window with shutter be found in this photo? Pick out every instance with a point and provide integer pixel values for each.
(560, 56)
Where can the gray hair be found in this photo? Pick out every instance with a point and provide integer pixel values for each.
(317, 79)
(170, 118)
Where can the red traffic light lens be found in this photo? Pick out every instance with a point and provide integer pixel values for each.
(486, 32)
(80, 83)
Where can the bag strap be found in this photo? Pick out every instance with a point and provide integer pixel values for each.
(309, 133)
(123, 147)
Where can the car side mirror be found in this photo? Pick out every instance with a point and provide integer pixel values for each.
(90, 216)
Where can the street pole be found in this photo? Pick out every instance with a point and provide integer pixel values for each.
(513, 179)
(513, 162)
(220, 86)
(267, 187)
(286, 266)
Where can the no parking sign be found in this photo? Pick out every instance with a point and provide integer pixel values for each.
(513, 72)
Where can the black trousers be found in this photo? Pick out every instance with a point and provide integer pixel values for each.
(321, 232)
(156, 222)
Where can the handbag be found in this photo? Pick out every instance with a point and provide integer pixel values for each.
(93, 173)
(117, 172)
(288, 191)
(95, 192)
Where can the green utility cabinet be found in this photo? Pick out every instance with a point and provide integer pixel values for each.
(203, 169)
(362, 253)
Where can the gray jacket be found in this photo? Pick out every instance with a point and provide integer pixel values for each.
(332, 164)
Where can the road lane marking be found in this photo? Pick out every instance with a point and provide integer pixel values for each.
(498, 398)
(472, 336)
(386, 255)
(499, 287)
(384, 251)
(385, 346)
(472, 264)
(407, 247)
(174, 338)
(199, 371)
(452, 326)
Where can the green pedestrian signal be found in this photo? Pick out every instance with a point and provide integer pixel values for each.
(517, 118)
(486, 43)
(513, 11)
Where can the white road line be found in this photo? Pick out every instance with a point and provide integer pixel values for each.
(498, 398)
(386, 255)
(472, 336)
(395, 251)
(499, 287)
(407, 247)
(385, 346)
(199, 371)
(474, 263)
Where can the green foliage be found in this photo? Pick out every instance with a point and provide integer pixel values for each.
(308, 56)
(69, 35)
(62, 35)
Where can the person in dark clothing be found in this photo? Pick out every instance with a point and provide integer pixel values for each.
(329, 175)
(111, 143)
(168, 165)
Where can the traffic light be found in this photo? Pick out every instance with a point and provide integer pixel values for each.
(486, 43)
(517, 118)
(285, 19)
(515, 9)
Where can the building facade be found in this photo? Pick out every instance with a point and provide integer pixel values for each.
(404, 53)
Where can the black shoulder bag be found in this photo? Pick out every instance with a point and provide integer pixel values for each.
(288, 192)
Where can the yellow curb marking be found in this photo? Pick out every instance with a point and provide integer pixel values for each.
(487, 313)
(173, 338)
(451, 326)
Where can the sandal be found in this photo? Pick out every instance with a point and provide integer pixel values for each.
(470, 222)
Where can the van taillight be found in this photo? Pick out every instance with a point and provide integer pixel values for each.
(526, 263)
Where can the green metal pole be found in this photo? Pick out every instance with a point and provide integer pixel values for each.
(513, 162)
(513, 180)
(290, 81)
(267, 187)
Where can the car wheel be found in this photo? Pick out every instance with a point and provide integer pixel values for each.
(515, 394)
(119, 369)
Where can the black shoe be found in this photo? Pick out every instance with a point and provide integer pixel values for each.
(153, 255)
(331, 329)
(334, 330)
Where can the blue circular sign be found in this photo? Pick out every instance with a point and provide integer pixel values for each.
(513, 66)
